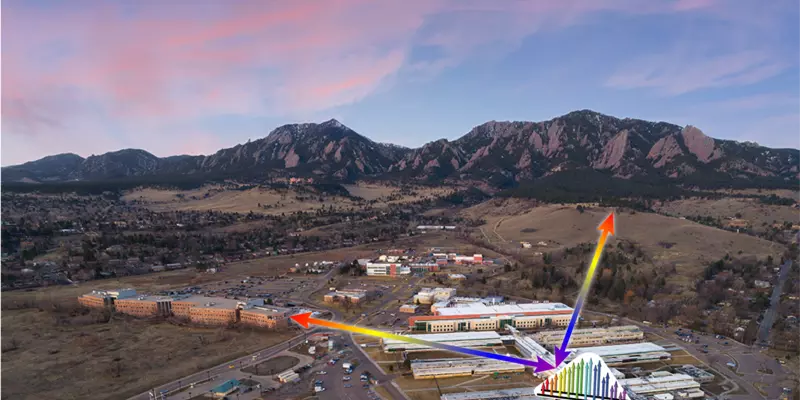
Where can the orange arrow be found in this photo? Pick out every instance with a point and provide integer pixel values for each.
(607, 226)
(305, 320)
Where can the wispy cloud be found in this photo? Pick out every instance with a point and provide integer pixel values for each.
(87, 76)
(675, 73)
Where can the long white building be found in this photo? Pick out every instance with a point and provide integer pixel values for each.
(502, 394)
(451, 367)
(483, 317)
(591, 336)
(660, 382)
(461, 339)
(625, 353)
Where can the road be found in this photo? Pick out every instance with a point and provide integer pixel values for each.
(769, 316)
(223, 368)
(335, 390)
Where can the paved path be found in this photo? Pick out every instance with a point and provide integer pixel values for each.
(769, 316)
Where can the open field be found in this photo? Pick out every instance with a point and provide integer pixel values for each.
(73, 355)
(241, 201)
(665, 239)
(275, 201)
(751, 210)
(393, 195)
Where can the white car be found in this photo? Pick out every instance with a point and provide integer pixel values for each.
(346, 378)
(322, 372)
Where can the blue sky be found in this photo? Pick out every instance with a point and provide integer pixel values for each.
(173, 79)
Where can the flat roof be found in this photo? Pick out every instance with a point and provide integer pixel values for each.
(517, 393)
(450, 337)
(267, 310)
(211, 302)
(588, 332)
(620, 349)
(502, 309)
(148, 298)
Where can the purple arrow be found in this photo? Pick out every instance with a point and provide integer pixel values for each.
(561, 355)
(541, 365)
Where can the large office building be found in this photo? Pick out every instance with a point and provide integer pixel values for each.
(447, 368)
(625, 353)
(591, 337)
(105, 298)
(387, 269)
(526, 393)
(197, 309)
(461, 339)
(482, 317)
(145, 306)
(264, 316)
(662, 382)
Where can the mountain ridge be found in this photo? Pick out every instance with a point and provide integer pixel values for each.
(499, 152)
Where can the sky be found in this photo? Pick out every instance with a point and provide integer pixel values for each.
(191, 77)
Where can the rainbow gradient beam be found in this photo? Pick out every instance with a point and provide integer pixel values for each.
(606, 228)
(305, 320)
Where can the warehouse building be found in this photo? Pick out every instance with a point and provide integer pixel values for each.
(625, 353)
(696, 373)
(591, 337)
(461, 339)
(447, 368)
(353, 295)
(526, 393)
(433, 295)
(661, 382)
(408, 308)
(482, 317)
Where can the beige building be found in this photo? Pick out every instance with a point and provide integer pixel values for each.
(105, 298)
(591, 337)
(208, 310)
(353, 295)
(94, 300)
(265, 317)
(145, 306)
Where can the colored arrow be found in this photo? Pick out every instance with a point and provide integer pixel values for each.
(305, 320)
(606, 228)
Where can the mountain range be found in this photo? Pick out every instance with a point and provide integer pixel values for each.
(496, 152)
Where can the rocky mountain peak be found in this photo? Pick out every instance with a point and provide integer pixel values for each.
(700, 145)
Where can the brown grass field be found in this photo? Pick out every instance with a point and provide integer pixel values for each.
(752, 210)
(691, 245)
(285, 201)
(371, 191)
(60, 355)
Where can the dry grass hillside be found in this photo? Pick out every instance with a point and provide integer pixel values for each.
(273, 201)
(664, 239)
(75, 355)
(242, 201)
(386, 194)
(756, 213)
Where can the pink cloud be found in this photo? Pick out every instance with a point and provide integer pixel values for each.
(88, 70)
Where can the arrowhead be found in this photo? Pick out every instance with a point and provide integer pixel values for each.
(561, 355)
(542, 365)
(607, 225)
(302, 319)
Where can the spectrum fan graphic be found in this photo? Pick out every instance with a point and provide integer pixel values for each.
(586, 377)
